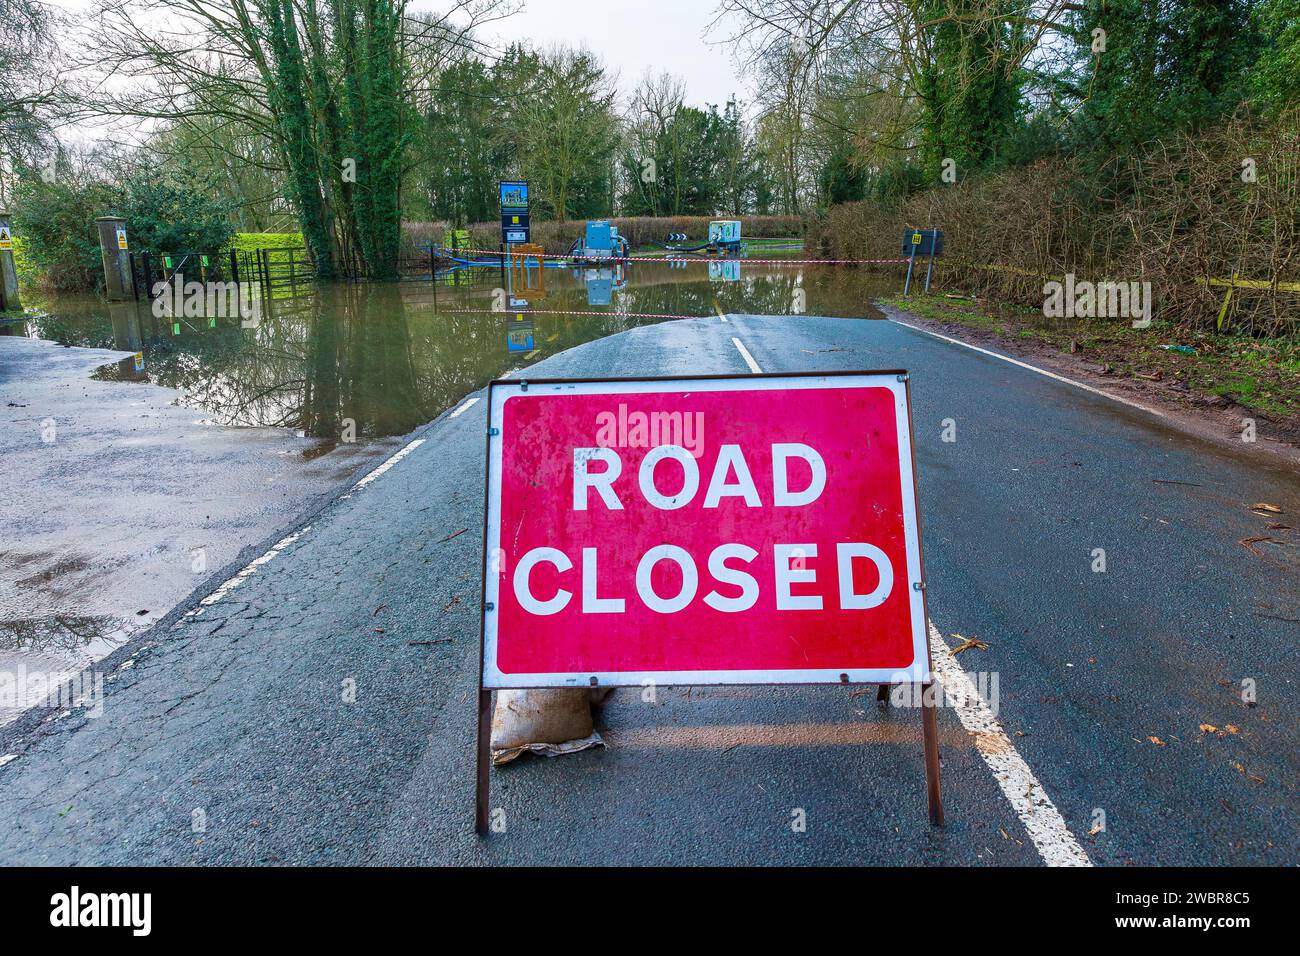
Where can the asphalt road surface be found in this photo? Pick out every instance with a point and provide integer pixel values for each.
(228, 738)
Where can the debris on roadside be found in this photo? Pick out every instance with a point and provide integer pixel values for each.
(1250, 542)
(967, 643)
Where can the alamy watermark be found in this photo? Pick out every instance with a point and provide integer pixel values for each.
(21, 688)
(221, 300)
(1075, 299)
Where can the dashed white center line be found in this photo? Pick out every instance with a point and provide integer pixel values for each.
(1042, 821)
(749, 359)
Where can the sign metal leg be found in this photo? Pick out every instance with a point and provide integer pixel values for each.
(930, 734)
(484, 761)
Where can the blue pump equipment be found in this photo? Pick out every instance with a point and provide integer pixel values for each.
(600, 241)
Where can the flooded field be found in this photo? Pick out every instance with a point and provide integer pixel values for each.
(369, 361)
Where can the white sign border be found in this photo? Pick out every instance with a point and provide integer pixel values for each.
(501, 392)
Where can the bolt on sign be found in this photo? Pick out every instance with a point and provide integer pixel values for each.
(693, 531)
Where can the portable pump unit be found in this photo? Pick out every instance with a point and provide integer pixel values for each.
(724, 235)
(601, 241)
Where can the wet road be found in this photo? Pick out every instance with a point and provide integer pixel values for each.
(229, 738)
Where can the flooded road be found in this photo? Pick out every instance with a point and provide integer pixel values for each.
(371, 361)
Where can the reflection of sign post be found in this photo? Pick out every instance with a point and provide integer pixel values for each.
(726, 530)
(519, 332)
(515, 227)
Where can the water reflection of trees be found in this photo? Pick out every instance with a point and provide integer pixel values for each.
(389, 357)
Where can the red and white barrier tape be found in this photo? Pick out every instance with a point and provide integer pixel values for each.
(695, 259)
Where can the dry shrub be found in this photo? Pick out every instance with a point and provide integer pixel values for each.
(1177, 217)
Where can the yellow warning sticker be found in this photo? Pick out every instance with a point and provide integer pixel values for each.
(121, 238)
(916, 238)
(6, 240)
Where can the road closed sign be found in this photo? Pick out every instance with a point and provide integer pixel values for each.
(756, 530)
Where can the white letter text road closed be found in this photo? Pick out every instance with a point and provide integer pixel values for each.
(714, 530)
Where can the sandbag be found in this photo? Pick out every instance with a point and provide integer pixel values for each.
(547, 722)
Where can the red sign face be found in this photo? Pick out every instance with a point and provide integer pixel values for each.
(758, 530)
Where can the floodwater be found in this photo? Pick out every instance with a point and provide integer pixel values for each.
(130, 483)
(360, 362)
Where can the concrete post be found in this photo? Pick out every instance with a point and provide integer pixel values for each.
(119, 283)
(8, 272)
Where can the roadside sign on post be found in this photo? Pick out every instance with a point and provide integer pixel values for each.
(6, 239)
(921, 242)
(121, 239)
(515, 227)
(696, 531)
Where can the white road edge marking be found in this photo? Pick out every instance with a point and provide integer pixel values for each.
(1042, 821)
(749, 359)
(385, 466)
(465, 406)
(1033, 368)
(1039, 816)
(248, 570)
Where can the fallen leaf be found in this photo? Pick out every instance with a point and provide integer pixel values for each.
(967, 643)
(1157, 741)
(452, 603)
(1249, 544)
(1096, 828)
(1232, 728)
(1209, 729)
(1276, 526)
(1265, 506)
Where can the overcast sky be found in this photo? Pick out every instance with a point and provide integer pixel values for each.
(630, 36)
(633, 36)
